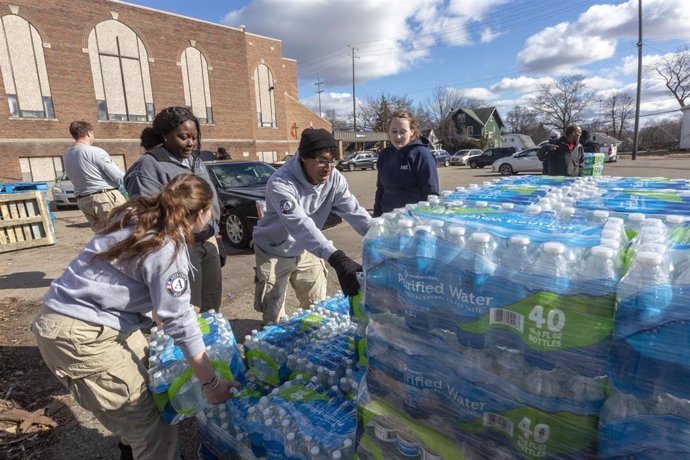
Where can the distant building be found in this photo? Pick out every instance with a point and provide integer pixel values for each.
(480, 123)
(116, 65)
(519, 141)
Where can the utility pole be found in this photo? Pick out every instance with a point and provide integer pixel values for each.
(354, 104)
(319, 91)
(639, 81)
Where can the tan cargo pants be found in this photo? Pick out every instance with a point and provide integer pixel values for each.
(104, 371)
(306, 273)
(96, 207)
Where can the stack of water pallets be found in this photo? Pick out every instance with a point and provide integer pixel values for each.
(25, 220)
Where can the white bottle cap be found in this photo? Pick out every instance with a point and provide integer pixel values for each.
(533, 209)
(508, 206)
(457, 230)
(481, 204)
(554, 247)
(520, 240)
(408, 223)
(422, 228)
(481, 237)
(672, 219)
(649, 258)
(636, 217)
(653, 223)
(436, 223)
(602, 251)
(615, 220)
(600, 214)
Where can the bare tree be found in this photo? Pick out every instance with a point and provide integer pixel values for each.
(561, 103)
(619, 107)
(435, 112)
(521, 119)
(337, 123)
(375, 114)
(674, 70)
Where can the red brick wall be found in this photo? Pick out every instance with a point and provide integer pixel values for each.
(231, 53)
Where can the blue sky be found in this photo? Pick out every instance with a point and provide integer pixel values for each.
(498, 51)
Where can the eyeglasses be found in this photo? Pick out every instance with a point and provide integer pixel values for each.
(322, 162)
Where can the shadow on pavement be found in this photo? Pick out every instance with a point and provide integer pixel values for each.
(24, 280)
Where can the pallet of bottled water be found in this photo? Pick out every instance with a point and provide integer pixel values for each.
(314, 343)
(298, 420)
(648, 412)
(491, 322)
(175, 389)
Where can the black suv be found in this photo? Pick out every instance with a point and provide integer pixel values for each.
(489, 156)
(358, 160)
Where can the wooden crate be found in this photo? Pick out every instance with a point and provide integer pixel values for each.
(24, 221)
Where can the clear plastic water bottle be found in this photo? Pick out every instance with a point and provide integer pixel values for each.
(644, 294)
(426, 248)
(453, 245)
(550, 269)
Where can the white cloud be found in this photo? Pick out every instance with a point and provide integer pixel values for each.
(389, 40)
(520, 84)
(597, 83)
(482, 94)
(340, 102)
(489, 35)
(596, 32)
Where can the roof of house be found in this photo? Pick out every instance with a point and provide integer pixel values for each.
(526, 140)
(603, 138)
(482, 115)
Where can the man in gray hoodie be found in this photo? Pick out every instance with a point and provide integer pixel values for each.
(288, 243)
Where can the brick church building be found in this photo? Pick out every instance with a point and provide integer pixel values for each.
(116, 65)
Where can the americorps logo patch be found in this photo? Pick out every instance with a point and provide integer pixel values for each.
(286, 206)
(176, 284)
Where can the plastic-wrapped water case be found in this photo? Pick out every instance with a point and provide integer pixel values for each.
(497, 331)
(174, 388)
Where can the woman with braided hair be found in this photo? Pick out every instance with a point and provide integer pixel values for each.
(89, 329)
(172, 146)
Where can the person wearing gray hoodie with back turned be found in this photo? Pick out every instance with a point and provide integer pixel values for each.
(172, 144)
(288, 243)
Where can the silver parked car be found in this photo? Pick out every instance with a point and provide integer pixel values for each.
(63, 192)
(460, 157)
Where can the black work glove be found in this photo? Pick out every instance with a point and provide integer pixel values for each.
(346, 269)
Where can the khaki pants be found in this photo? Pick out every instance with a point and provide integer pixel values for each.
(104, 371)
(96, 207)
(206, 283)
(306, 273)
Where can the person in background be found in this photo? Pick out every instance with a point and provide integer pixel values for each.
(406, 169)
(567, 157)
(95, 177)
(88, 331)
(173, 144)
(545, 149)
(223, 154)
(588, 144)
(288, 244)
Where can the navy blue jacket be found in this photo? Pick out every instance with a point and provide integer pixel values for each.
(405, 176)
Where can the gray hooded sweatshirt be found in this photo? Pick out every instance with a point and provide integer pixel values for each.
(123, 296)
(296, 210)
(152, 172)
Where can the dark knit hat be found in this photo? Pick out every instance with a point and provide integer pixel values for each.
(316, 139)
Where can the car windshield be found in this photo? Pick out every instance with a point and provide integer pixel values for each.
(233, 175)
